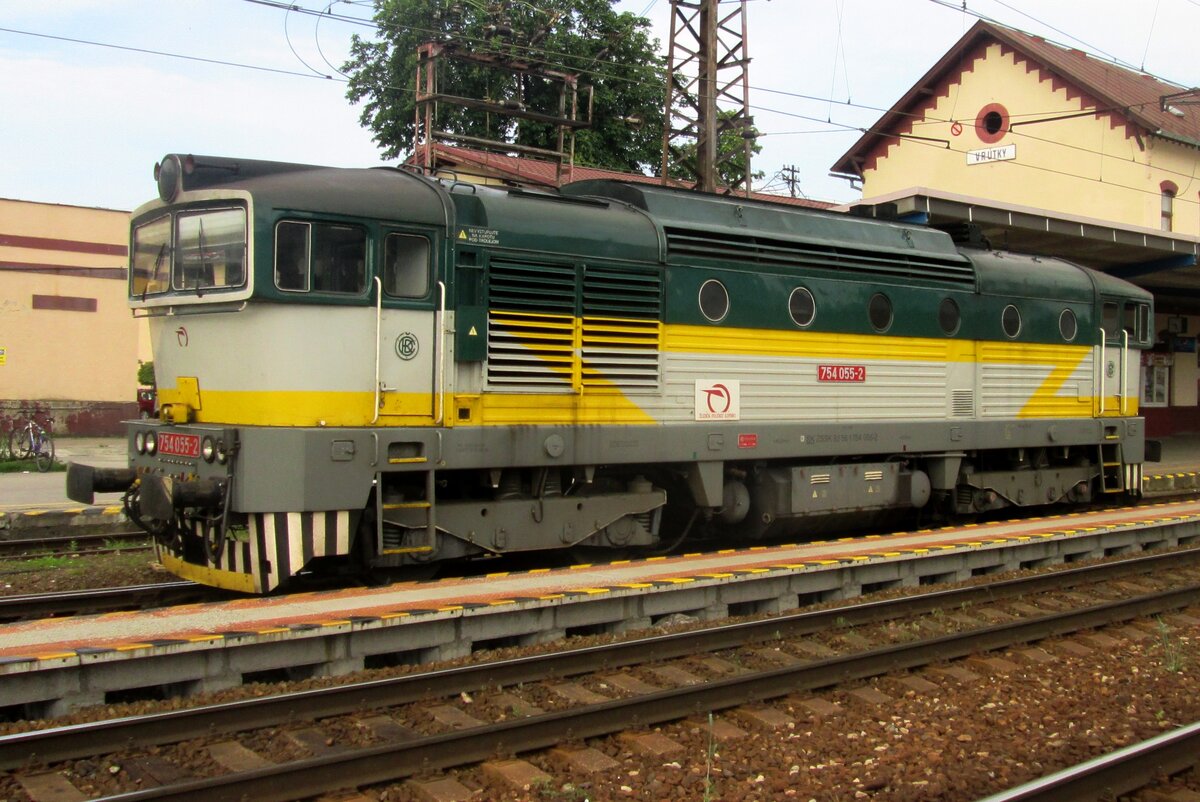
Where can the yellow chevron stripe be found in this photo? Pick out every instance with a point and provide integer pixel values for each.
(558, 339)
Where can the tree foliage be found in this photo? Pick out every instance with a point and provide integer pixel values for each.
(731, 169)
(145, 373)
(612, 52)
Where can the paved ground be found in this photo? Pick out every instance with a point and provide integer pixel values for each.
(33, 489)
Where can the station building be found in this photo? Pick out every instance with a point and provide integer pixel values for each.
(69, 347)
(1044, 149)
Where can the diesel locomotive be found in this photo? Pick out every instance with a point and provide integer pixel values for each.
(365, 369)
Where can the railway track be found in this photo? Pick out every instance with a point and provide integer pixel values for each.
(1135, 768)
(106, 600)
(83, 544)
(446, 739)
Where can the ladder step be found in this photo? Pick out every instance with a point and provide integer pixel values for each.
(407, 460)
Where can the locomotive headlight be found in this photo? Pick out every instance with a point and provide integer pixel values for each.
(222, 454)
(169, 175)
(151, 443)
(139, 442)
(208, 449)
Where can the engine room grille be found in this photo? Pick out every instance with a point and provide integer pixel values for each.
(784, 253)
(621, 329)
(962, 403)
(567, 328)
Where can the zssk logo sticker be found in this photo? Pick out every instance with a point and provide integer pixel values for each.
(718, 400)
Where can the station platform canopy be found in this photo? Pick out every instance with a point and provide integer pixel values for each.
(1163, 262)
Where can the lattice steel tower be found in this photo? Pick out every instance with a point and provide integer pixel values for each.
(708, 95)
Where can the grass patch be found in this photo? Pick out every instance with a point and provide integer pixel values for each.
(47, 562)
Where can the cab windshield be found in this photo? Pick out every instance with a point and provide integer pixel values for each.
(189, 250)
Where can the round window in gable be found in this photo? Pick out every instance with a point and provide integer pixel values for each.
(714, 300)
(949, 317)
(1068, 327)
(880, 312)
(1011, 320)
(802, 307)
(991, 124)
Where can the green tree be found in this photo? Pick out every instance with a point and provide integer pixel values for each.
(609, 51)
(145, 374)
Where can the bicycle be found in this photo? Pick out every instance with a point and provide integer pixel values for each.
(32, 441)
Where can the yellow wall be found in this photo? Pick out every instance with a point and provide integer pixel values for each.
(1081, 166)
(66, 355)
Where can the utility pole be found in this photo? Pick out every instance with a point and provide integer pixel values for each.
(788, 174)
(567, 117)
(708, 96)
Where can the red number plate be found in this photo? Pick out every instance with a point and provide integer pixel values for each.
(841, 373)
(179, 445)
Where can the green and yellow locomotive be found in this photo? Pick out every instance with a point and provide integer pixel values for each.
(370, 368)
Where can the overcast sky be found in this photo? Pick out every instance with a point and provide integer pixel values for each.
(82, 123)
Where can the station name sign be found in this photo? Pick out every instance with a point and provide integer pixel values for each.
(1000, 154)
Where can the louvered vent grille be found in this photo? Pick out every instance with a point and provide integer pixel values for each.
(531, 287)
(546, 332)
(962, 403)
(531, 326)
(621, 330)
(762, 251)
(532, 351)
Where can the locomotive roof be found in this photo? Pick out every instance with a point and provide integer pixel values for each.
(550, 223)
(369, 192)
(1020, 275)
(740, 217)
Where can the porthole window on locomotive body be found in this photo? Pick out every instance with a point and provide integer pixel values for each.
(949, 316)
(880, 312)
(1011, 321)
(714, 300)
(1068, 326)
(802, 307)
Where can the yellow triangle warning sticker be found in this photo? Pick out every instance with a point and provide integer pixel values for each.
(472, 332)
(462, 233)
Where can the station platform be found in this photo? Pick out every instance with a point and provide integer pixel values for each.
(37, 501)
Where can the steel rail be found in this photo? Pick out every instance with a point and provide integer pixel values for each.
(62, 554)
(395, 761)
(1115, 774)
(47, 605)
(81, 740)
(39, 545)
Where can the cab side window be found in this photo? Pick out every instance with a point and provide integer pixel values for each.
(1110, 319)
(1137, 322)
(322, 257)
(291, 256)
(405, 266)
